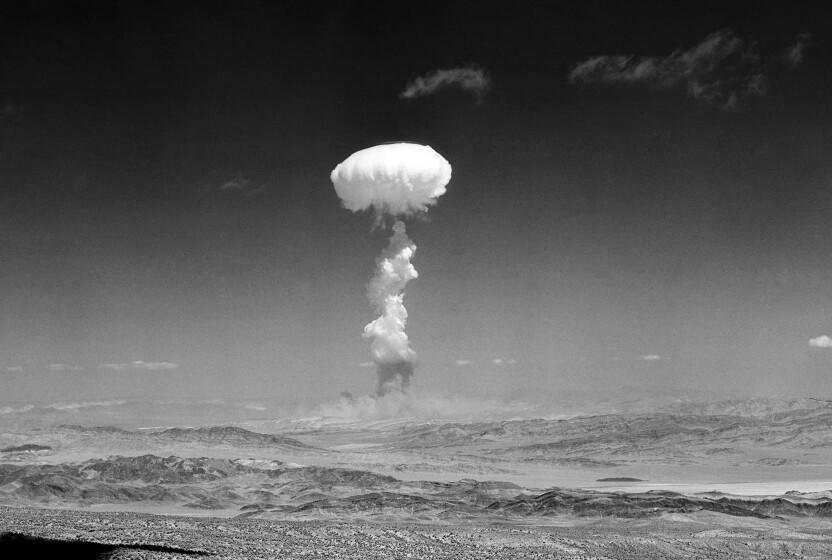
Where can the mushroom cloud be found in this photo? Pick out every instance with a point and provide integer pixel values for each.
(394, 181)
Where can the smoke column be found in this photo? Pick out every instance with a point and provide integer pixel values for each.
(395, 181)
(390, 346)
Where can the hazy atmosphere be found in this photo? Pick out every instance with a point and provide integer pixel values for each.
(639, 199)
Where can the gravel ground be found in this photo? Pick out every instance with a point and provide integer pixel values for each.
(703, 538)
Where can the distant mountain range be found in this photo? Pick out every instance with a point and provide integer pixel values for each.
(212, 435)
(274, 490)
(374, 469)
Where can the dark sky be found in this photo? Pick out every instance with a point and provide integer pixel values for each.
(165, 198)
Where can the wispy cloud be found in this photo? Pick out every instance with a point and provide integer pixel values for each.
(822, 341)
(502, 362)
(12, 410)
(9, 111)
(723, 69)
(367, 364)
(15, 369)
(75, 406)
(651, 357)
(139, 365)
(241, 185)
(65, 367)
(463, 362)
(469, 78)
(794, 55)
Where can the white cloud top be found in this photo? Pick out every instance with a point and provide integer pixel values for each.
(822, 341)
(392, 179)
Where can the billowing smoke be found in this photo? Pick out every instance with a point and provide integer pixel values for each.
(390, 346)
(395, 181)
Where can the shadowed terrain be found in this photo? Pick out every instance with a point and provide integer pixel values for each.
(16, 546)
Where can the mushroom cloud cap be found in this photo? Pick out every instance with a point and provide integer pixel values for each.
(394, 179)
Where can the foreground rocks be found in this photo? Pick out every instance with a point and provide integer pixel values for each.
(703, 535)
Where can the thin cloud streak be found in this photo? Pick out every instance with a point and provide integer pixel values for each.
(75, 406)
(241, 185)
(469, 78)
(723, 70)
(140, 365)
(501, 362)
(64, 367)
(794, 55)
